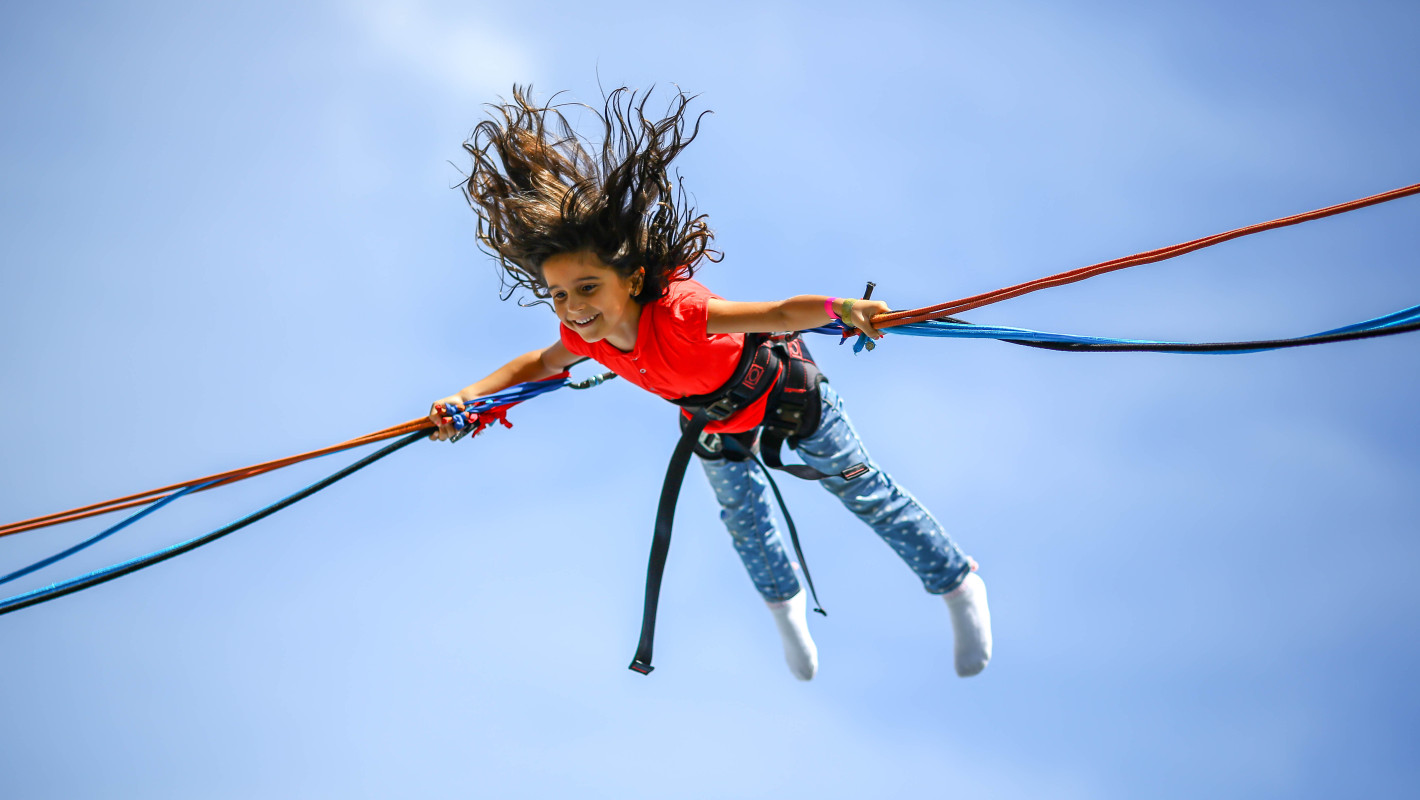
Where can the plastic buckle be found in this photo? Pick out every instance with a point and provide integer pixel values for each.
(644, 669)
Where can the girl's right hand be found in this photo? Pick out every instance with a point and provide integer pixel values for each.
(861, 313)
(442, 410)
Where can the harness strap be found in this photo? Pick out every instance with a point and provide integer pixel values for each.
(753, 376)
(745, 384)
(779, 368)
(793, 412)
(661, 541)
(732, 445)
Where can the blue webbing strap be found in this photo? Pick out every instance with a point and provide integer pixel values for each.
(465, 418)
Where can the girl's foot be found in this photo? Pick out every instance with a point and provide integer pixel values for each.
(971, 625)
(791, 616)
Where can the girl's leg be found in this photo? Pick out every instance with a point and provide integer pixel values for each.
(745, 510)
(904, 524)
(881, 502)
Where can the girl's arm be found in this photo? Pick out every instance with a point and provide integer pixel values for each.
(534, 365)
(795, 314)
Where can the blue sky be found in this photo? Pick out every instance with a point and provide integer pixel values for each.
(229, 235)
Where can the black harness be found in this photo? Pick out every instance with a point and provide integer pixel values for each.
(780, 365)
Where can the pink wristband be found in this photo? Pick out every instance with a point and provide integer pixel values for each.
(828, 308)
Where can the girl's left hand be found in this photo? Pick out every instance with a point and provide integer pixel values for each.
(861, 314)
(440, 411)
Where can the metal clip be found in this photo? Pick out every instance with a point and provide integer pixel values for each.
(595, 380)
(468, 426)
(720, 409)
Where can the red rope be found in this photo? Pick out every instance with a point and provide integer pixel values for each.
(977, 301)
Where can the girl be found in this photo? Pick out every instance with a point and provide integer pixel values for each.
(602, 234)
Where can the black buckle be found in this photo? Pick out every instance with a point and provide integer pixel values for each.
(644, 669)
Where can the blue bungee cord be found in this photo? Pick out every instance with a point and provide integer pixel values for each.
(467, 420)
(134, 564)
(1399, 322)
(104, 534)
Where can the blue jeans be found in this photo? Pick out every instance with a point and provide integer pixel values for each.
(876, 498)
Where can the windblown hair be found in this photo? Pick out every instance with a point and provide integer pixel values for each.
(539, 188)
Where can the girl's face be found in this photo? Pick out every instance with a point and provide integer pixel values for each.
(592, 299)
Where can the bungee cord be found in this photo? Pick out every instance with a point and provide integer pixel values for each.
(220, 479)
(100, 536)
(484, 409)
(931, 321)
(133, 565)
(474, 417)
(1402, 321)
(941, 310)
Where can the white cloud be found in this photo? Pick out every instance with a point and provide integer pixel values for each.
(448, 45)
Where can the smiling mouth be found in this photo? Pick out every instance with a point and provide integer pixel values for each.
(584, 321)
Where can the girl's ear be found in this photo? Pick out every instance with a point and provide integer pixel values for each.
(638, 279)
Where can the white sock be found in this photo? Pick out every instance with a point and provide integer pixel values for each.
(791, 616)
(971, 625)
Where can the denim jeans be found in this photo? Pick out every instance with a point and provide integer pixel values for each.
(875, 497)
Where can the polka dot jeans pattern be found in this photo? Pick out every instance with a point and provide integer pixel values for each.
(889, 509)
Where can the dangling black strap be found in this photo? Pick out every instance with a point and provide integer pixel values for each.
(793, 538)
(758, 371)
(661, 541)
(734, 447)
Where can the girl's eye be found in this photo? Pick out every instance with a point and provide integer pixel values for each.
(559, 296)
(589, 288)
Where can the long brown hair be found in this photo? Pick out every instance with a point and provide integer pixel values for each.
(539, 188)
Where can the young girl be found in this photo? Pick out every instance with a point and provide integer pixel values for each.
(602, 233)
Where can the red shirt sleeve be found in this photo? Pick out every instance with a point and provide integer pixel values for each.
(690, 310)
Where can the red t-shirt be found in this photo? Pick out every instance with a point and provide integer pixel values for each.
(674, 357)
